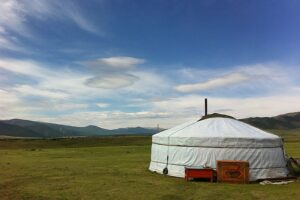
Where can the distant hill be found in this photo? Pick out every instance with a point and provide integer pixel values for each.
(16, 131)
(136, 131)
(281, 122)
(27, 128)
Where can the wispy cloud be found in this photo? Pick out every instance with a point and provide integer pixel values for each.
(192, 105)
(238, 79)
(113, 72)
(66, 93)
(9, 42)
(16, 16)
(16, 13)
(25, 67)
(121, 62)
(113, 64)
(103, 105)
(34, 91)
(213, 83)
(62, 86)
(111, 81)
(109, 119)
(74, 13)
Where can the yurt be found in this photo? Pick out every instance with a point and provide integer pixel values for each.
(201, 143)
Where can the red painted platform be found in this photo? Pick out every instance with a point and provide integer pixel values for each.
(205, 173)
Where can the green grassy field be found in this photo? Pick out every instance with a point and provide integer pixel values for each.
(110, 168)
(292, 135)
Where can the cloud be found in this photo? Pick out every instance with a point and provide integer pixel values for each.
(17, 15)
(111, 81)
(47, 82)
(151, 84)
(25, 67)
(121, 62)
(112, 72)
(2, 30)
(113, 64)
(62, 106)
(218, 82)
(9, 42)
(11, 105)
(35, 91)
(103, 105)
(108, 119)
(7, 98)
(61, 94)
(240, 80)
(13, 16)
(193, 105)
(74, 13)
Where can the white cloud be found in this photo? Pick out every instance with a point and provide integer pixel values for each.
(253, 78)
(150, 84)
(193, 105)
(5, 43)
(11, 105)
(9, 42)
(28, 90)
(151, 92)
(218, 82)
(60, 79)
(113, 72)
(15, 14)
(25, 67)
(2, 30)
(61, 106)
(108, 119)
(16, 18)
(7, 98)
(103, 105)
(75, 15)
(121, 62)
(111, 81)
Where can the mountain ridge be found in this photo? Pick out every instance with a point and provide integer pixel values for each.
(28, 128)
(281, 122)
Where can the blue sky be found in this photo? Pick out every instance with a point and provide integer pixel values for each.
(120, 63)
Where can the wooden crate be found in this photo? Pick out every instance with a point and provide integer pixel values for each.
(233, 171)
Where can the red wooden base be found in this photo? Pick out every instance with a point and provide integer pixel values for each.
(191, 173)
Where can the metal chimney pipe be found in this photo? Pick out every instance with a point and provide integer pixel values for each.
(205, 106)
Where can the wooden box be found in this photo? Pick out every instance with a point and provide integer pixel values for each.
(233, 171)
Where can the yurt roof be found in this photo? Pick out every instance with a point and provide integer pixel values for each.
(217, 131)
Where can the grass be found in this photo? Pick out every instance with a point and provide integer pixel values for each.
(110, 168)
(290, 135)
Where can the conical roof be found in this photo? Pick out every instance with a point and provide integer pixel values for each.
(217, 132)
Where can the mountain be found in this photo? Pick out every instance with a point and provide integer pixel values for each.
(16, 131)
(136, 131)
(26, 128)
(285, 121)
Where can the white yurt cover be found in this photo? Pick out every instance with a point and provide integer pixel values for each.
(202, 143)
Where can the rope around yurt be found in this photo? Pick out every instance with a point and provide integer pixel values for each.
(165, 170)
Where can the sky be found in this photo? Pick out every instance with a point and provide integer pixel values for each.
(127, 63)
